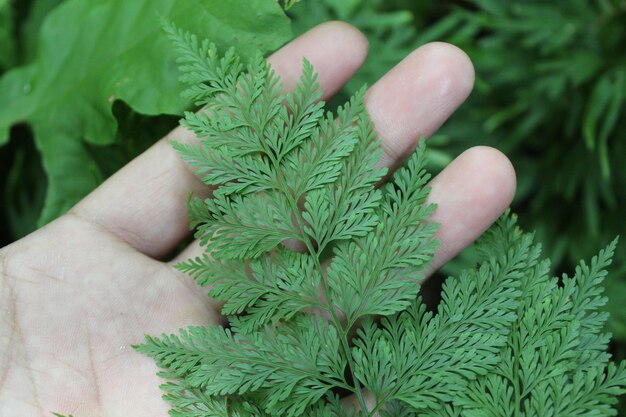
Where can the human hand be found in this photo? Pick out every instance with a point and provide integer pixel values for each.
(77, 293)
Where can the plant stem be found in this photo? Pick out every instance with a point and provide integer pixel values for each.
(357, 390)
(344, 339)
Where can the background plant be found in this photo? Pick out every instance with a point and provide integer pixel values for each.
(75, 62)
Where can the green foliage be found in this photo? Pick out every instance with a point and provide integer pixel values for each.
(554, 361)
(287, 4)
(35, 12)
(549, 93)
(506, 339)
(574, 120)
(556, 108)
(25, 189)
(87, 57)
(7, 41)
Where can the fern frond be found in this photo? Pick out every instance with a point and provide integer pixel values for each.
(302, 111)
(548, 360)
(243, 227)
(217, 167)
(353, 197)
(590, 393)
(202, 68)
(587, 302)
(435, 357)
(290, 368)
(270, 289)
(505, 340)
(319, 161)
(189, 401)
(379, 272)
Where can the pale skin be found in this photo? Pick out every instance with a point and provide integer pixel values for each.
(77, 293)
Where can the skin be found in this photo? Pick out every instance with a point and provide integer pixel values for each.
(77, 293)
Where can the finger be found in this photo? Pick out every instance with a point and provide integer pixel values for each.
(470, 194)
(144, 204)
(417, 96)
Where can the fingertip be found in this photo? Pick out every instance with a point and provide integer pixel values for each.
(349, 35)
(335, 49)
(471, 194)
(495, 179)
(475, 188)
(458, 69)
(418, 95)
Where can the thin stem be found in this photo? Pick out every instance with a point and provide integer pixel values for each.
(357, 390)
(344, 340)
(325, 288)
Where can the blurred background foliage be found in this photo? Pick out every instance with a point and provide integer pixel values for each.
(550, 93)
(76, 61)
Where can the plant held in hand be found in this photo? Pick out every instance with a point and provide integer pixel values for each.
(506, 340)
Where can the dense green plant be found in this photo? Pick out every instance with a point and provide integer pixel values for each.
(390, 34)
(506, 340)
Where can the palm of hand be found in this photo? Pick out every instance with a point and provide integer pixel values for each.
(74, 310)
(76, 294)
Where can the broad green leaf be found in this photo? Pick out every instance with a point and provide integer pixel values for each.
(7, 42)
(92, 54)
(29, 29)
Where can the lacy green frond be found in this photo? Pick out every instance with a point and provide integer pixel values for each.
(269, 290)
(426, 360)
(243, 227)
(288, 368)
(189, 401)
(550, 366)
(506, 339)
(378, 273)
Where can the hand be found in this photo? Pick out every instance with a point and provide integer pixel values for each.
(77, 293)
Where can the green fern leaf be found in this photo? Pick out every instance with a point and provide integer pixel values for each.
(505, 340)
(378, 273)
